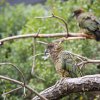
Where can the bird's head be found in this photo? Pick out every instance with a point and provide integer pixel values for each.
(52, 48)
(77, 12)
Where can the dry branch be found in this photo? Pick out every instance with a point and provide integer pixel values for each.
(52, 35)
(11, 64)
(71, 85)
(23, 85)
(12, 91)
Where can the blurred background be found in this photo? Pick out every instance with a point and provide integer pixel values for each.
(18, 17)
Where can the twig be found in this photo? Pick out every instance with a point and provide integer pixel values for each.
(66, 25)
(22, 84)
(34, 53)
(43, 17)
(37, 55)
(34, 57)
(12, 91)
(82, 60)
(42, 42)
(55, 16)
(17, 70)
(89, 61)
(79, 56)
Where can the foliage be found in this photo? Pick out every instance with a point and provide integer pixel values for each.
(20, 19)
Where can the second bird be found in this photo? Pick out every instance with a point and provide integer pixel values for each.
(88, 22)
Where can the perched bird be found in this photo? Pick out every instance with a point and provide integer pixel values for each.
(88, 22)
(64, 61)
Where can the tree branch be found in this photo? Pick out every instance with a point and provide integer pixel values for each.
(7, 63)
(71, 36)
(12, 91)
(71, 85)
(57, 17)
(66, 25)
(22, 84)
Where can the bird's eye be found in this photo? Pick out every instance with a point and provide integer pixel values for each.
(50, 46)
(77, 11)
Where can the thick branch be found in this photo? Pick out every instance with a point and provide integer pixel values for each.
(72, 85)
(52, 35)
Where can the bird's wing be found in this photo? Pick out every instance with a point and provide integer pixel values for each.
(68, 63)
(89, 22)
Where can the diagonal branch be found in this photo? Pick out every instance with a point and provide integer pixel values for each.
(71, 85)
(59, 18)
(22, 84)
(12, 91)
(5, 63)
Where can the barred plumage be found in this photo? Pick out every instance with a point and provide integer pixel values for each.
(64, 61)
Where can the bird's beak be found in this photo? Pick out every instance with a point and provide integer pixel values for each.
(46, 54)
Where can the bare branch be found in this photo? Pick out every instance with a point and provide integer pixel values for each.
(71, 85)
(12, 91)
(80, 61)
(57, 17)
(71, 36)
(41, 42)
(84, 60)
(15, 68)
(89, 61)
(66, 25)
(19, 72)
(34, 57)
(34, 53)
(22, 84)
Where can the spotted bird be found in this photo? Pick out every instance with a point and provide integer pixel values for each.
(65, 62)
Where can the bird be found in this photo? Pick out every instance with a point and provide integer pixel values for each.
(88, 22)
(65, 62)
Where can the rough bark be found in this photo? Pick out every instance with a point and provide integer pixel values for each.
(71, 85)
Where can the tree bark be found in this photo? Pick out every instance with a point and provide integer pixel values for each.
(71, 85)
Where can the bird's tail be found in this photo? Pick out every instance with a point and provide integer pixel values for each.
(97, 34)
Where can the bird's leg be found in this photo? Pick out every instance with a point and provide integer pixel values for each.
(59, 81)
(62, 77)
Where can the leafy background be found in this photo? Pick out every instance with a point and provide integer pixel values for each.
(20, 19)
